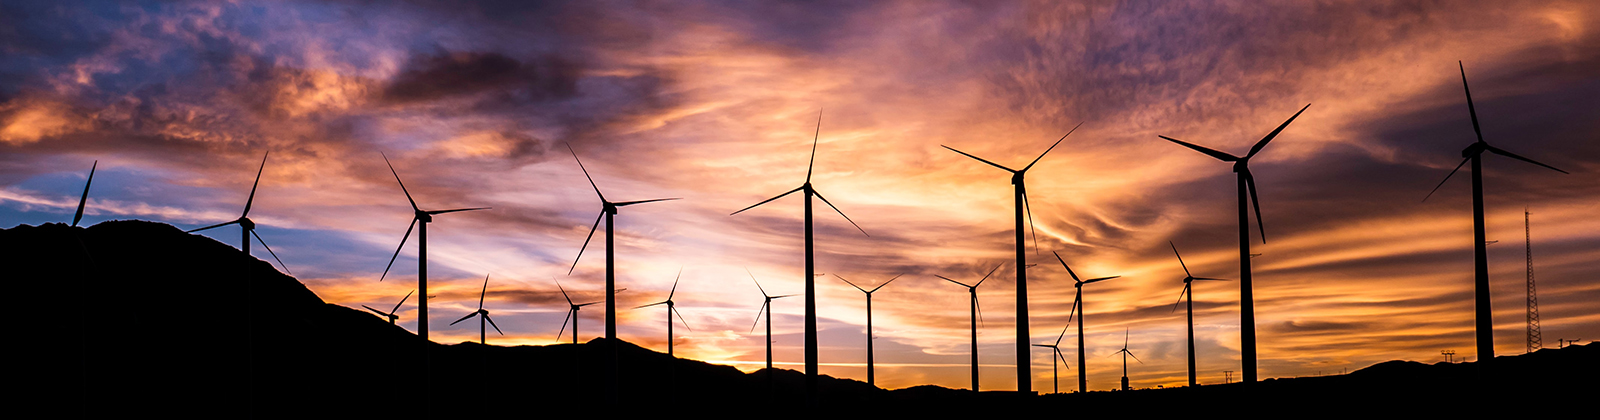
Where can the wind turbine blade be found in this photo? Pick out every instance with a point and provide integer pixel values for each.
(674, 291)
(1471, 109)
(1446, 178)
(252, 199)
(85, 198)
(952, 281)
(759, 313)
(1052, 147)
(767, 200)
(491, 323)
(586, 243)
(456, 210)
(1502, 152)
(1125, 340)
(1263, 143)
(585, 172)
(653, 304)
(397, 249)
(212, 226)
(269, 252)
(1213, 153)
(1099, 279)
(1063, 358)
(1261, 226)
(571, 314)
(887, 282)
(986, 276)
(1074, 306)
(680, 318)
(484, 291)
(1208, 278)
(841, 213)
(465, 318)
(629, 203)
(852, 284)
(563, 292)
(1064, 264)
(1180, 298)
(758, 283)
(783, 296)
(1180, 259)
(380, 313)
(1063, 335)
(402, 301)
(979, 306)
(590, 303)
(402, 183)
(980, 159)
(814, 137)
(1135, 358)
(1035, 232)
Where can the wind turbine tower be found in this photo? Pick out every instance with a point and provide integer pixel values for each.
(1535, 339)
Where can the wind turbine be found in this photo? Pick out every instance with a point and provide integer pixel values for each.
(766, 305)
(390, 315)
(1246, 181)
(973, 315)
(870, 376)
(1056, 353)
(608, 209)
(483, 335)
(1077, 307)
(670, 310)
(420, 218)
(1020, 196)
(1125, 354)
(1480, 284)
(1188, 277)
(811, 271)
(572, 314)
(249, 227)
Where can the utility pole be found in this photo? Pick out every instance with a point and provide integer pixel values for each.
(1449, 355)
(1227, 376)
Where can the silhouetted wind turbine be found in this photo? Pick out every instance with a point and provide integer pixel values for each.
(1020, 196)
(670, 311)
(249, 227)
(572, 314)
(608, 209)
(811, 272)
(1188, 277)
(870, 375)
(1077, 308)
(1125, 354)
(973, 315)
(1473, 153)
(766, 305)
(483, 335)
(420, 218)
(390, 315)
(1056, 353)
(1246, 183)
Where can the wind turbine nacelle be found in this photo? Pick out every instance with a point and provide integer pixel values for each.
(1239, 166)
(1475, 149)
(424, 217)
(246, 223)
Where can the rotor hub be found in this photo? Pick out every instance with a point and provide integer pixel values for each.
(246, 223)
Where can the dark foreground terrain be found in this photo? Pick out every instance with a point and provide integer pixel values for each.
(139, 317)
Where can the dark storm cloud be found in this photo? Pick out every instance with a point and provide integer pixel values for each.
(442, 75)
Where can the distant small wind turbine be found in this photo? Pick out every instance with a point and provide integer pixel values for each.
(390, 315)
(1125, 354)
(243, 221)
(483, 335)
(766, 305)
(870, 375)
(421, 218)
(1188, 277)
(1474, 153)
(974, 314)
(1077, 308)
(1057, 356)
(671, 309)
(572, 314)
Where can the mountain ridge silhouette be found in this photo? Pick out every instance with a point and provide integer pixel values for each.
(139, 343)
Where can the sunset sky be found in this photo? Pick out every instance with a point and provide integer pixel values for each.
(717, 102)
